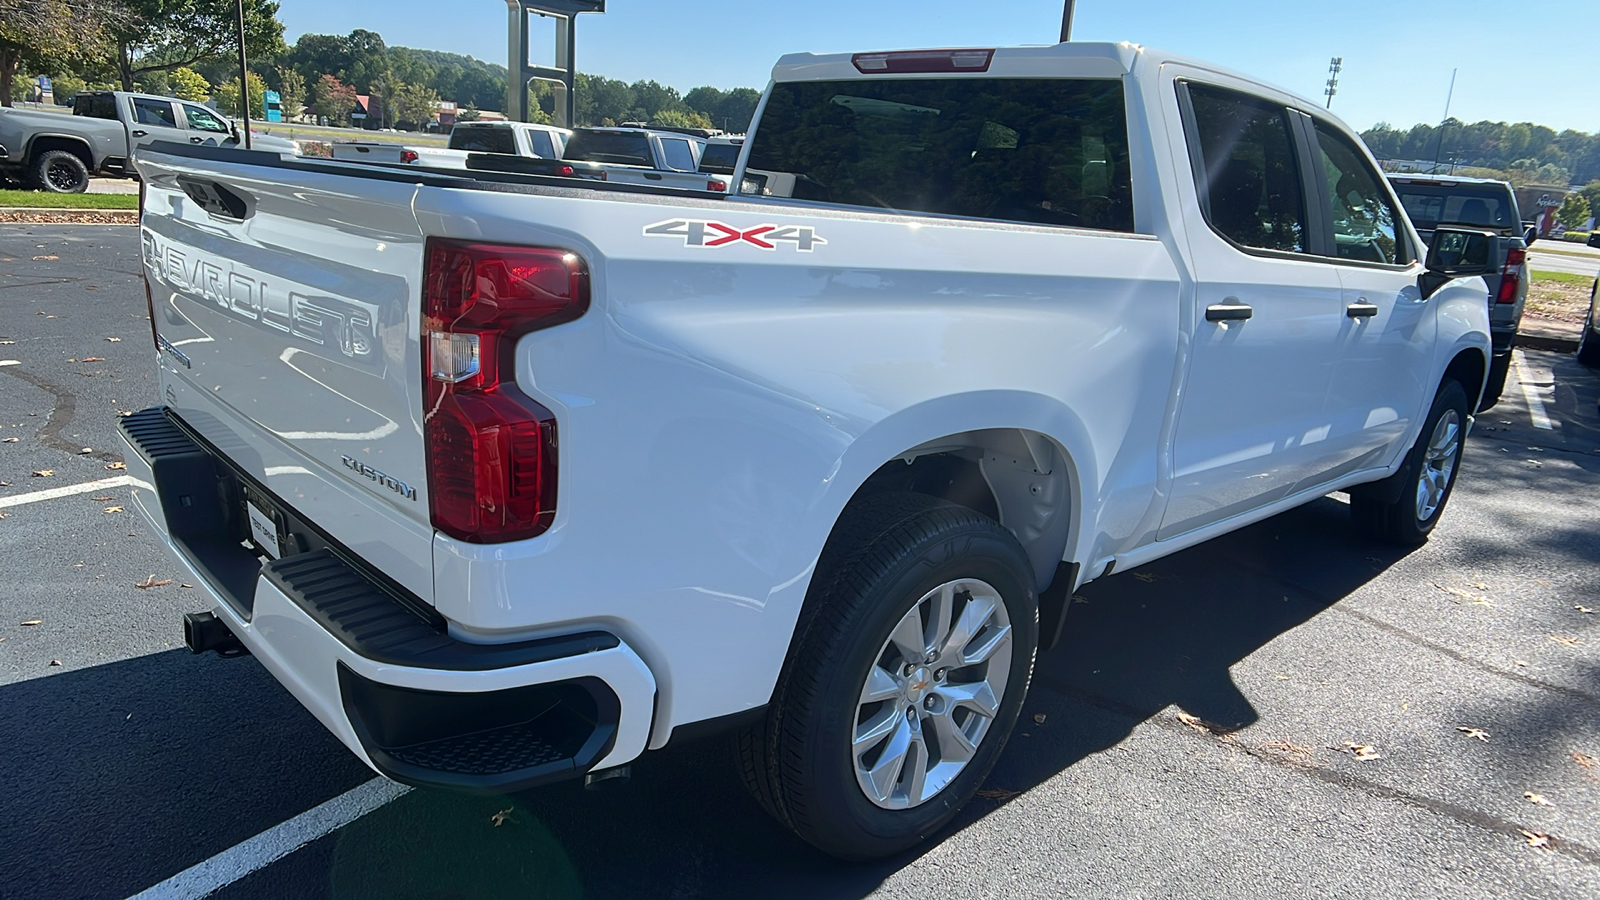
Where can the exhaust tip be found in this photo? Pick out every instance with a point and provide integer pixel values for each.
(204, 632)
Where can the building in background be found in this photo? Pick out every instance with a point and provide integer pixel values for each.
(274, 103)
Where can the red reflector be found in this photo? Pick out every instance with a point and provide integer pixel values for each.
(491, 449)
(564, 170)
(923, 61)
(408, 156)
(717, 186)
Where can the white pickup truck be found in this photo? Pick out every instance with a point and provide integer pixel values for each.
(524, 139)
(514, 479)
(646, 156)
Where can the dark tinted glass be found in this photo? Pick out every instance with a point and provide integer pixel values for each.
(678, 155)
(1050, 151)
(479, 139)
(1479, 205)
(1366, 225)
(95, 106)
(628, 148)
(154, 112)
(719, 159)
(1248, 174)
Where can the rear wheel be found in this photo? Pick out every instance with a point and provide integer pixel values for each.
(1405, 507)
(907, 674)
(1589, 342)
(61, 172)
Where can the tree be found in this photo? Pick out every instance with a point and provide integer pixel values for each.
(187, 84)
(169, 34)
(54, 35)
(227, 96)
(468, 113)
(672, 118)
(1591, 196)
(332, 99)
(291, 92)
(1574, 211)
(415, 104)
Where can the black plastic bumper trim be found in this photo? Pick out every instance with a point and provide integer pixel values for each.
(482, 742)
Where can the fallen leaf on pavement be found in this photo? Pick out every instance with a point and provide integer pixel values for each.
(1360, 751)
(93, 359)
(1558, 638)
(116, 465)
(10, 440)
(1300, 752)
(7, 342)
(113, 509)
(1470, 732)
(33, 622)
(1583, 609)
(1519, 662)
(152, 582)
(43, 473)
(186, 586)
(1536, 839)
(998, 794)
(1038, 718)
(501, 817)
(113, 340)
(102, 499)
(1584, 760)
(1536, 799)
(5, 515)
(1193, 722)
(55, 662)
(1479, 599)
(46, 257)
(86, 450)
(1146, 577)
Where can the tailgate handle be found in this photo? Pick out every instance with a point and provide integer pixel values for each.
(217, 199)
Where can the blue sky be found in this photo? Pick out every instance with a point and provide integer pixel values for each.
(1397, 56)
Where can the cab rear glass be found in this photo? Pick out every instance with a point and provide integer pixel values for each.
(1043, 151)
(1480, 205)
(628, 148)
(483, 139)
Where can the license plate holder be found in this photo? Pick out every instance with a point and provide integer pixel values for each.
(263, 529)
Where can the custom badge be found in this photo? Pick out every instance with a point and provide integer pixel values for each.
(701, 233)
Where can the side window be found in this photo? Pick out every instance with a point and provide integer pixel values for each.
(1365, 223)
(1246, 171)
(154, 112)
(678, 155)
(539, 141)
(202, 119)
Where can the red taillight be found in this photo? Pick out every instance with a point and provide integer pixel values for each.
(491, 449)
(1511, 275)
(408, 156)
(923, 61)
(717, 186)
(565, 170)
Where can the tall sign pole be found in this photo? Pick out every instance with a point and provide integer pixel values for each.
(244, 77)
(1066, 21)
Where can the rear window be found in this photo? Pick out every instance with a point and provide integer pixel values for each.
(95, 106)
(719, 159)
(628, 148)
(481, 139)
(1481, 205)
(1046, 151)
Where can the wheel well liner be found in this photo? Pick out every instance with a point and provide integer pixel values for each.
(1471, 368)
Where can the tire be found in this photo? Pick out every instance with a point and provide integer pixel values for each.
(1589, 342)
(892, 560)
(1499, 368)
(60, 172)
(1404, 508)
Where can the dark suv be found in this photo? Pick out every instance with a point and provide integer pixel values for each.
(1479, 203)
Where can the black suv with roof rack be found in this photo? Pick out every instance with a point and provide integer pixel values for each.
(1479, 203)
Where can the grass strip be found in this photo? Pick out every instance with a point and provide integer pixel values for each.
(1564, 278)
(46, 200)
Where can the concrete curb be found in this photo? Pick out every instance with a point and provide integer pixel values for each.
(1550, 342)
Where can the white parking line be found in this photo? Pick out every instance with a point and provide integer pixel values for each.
(66, 491)
(1530, 393)
(275, 843)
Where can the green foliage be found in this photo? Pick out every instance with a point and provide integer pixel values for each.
(1523, 152)
(227, 95)
(1591, 195)
(291, 92)
(154, 83)
(187, 84)
(1576, 237)
(415, 104)
(47, 200)
(672, 118)
(54, 36)
(1574, 211)
(332, 99)
(66, 87)
(467, 113)
(169, 34)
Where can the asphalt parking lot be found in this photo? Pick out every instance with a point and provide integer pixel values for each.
(1286, 711)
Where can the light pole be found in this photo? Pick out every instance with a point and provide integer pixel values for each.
(1335, 65)
(1066, 21)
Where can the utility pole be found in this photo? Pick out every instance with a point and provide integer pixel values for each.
(1445, 122)
(244, 77)
(1335, 65)
(1066, 21)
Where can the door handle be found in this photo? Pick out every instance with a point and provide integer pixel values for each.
(139, 132)
(195, 140)
(652, 177)
(1228, 312)
(1362, 310)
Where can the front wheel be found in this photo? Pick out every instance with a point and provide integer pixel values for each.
(1405, 507)
(907, 674)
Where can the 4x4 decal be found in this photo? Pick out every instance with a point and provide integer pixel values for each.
(700, 233)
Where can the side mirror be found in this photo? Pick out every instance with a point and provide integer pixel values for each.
(1455, 252)
(1529, 236)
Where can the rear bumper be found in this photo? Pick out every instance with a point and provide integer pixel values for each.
(378, 671)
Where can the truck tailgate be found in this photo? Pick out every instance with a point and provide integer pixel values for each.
(286, 318)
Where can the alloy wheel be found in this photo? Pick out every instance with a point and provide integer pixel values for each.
(1438, 464)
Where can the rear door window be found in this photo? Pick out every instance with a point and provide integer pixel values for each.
(628, 148)
(202, 119)
(1247, 172)
(539, 143)
(1045, 151)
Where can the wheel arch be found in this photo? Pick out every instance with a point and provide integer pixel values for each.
(46, 142)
